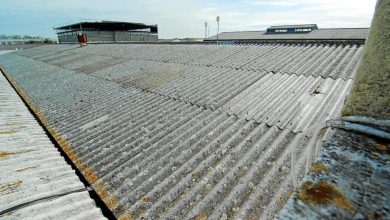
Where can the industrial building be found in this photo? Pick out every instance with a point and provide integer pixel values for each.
(293, 33)
(20, 40)
(107, 32)
(207, 131)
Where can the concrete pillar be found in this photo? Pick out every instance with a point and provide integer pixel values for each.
(370, 95)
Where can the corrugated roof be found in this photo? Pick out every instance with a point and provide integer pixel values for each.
(161, 143)
(335, 61)
(210, 87)
(297, 102)
(320, 34)
(32, 168)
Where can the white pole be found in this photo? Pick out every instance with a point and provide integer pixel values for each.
(205, 30)
(217, 29)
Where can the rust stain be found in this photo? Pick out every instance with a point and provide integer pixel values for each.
(201, 216)
(323, 193)
(7, 132)
(126, 217)
(111, 201)
(9, 187)
(26, 168)
(380, 147)
(319, 167)
(5, 154)
(145, 199)
(90, 175)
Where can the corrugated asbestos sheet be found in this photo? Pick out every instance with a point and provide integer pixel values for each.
(164, 138)
(210, 86)
(32, 168)
(334, 61)
(297, 102)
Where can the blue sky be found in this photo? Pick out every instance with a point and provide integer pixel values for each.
(183, 18)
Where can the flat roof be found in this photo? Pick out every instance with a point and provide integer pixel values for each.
(106, 26)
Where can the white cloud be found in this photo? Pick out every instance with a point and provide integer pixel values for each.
(186, 18)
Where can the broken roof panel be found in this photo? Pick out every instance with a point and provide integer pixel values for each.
(33, 169)
(297, 102)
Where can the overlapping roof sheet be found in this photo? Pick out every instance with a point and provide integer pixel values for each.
(33, 169)
(169, 133)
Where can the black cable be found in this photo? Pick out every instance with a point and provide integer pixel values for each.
(16, 207)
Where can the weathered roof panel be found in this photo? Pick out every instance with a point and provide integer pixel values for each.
(143, 73)
(160, 144)
(335, 61)
(297, 102)
(32, 168)
(72, 206)
(210, 86)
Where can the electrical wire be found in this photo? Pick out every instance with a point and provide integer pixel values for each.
(25, 204)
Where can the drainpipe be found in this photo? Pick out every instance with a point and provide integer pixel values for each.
(370, 94)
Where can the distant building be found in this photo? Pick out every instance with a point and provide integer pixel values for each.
(300, 28)
(18, 40)
(107, 32)
(286, 33)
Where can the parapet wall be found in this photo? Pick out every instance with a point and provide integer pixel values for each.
(370, 93)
